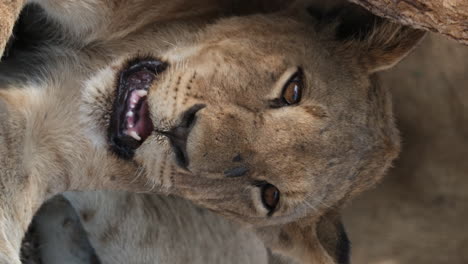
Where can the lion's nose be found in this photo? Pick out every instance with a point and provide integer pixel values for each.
(179, 134)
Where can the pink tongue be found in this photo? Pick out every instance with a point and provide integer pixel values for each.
(138, 123)
(144, 125)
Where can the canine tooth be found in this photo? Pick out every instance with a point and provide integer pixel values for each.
(130, 114)
(134, 100)
(134, 135)
(132, 105)
(141, 93)
(130, 125)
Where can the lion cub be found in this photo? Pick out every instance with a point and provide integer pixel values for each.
(262, 119)
(271, 120)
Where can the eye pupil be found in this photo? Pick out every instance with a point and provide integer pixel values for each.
(296, 93)
(270, 196)
(292, 92)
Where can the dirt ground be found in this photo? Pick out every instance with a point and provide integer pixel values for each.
(419, 213)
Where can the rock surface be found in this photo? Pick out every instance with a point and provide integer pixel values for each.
(448, 17)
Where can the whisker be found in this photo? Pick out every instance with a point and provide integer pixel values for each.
(138, 174)
(153, 187)
(310, 206)
(315, 199)
(167, 42)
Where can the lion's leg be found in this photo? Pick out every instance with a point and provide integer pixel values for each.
(81, 21)
(36, 126)
(44, 151)
(60, 236)
(16, 188)
(142, 228)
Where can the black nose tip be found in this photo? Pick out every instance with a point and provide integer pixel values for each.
(179, 134)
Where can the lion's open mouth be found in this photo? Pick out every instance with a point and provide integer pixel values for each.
(130, 122)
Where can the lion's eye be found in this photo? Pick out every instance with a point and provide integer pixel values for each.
(270, 197)
(292, 91)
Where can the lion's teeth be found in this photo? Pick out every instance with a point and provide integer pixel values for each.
(141, 93)
(134, 135)
(132, 105)
(134, 100)
(130, 114)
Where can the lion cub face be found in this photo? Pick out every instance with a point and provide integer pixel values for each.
(262, 119)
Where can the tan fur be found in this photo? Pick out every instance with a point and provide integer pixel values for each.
(39, 158)
(336, 143)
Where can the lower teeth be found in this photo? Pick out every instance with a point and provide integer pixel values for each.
(133, 134)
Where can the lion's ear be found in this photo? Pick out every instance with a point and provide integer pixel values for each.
(376, 43)
(385, 45)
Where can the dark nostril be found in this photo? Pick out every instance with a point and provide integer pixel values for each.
(179, 134)
(236, 172)
(189, 116)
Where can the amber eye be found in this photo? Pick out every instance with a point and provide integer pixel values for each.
(292, 91)
(270, 197)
